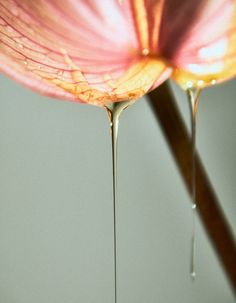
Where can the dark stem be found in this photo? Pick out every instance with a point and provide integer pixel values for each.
(216, 226)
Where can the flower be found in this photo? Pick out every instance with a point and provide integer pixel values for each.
(207, 53)
(100, 52)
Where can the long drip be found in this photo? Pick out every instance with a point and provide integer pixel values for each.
(193, 97)
(114, 111)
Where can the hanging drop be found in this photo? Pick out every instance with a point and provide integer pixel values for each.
(193, 98)
(114, 111)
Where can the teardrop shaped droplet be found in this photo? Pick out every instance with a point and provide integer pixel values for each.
(114, 111)
(193, 97)
(145, 51)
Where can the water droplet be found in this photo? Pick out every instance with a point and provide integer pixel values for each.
(213, 82)
(26, 62)
(20, 45)
(189, 84)
(145, 52)
(200, 83)
(193, 275)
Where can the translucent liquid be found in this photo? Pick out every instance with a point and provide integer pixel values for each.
(193, 97)
(188, 80)
(114, 111)
(193, 85)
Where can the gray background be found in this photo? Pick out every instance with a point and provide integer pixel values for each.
(56, 202)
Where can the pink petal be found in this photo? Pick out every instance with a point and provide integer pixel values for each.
(207, 52)
(75, 50)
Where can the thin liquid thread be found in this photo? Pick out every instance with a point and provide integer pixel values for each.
(114, 111)
(193, 97)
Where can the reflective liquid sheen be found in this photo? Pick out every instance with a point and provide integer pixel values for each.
(114, 111)
(193, 97)
(193, 84)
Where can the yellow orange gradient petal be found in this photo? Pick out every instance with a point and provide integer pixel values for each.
(141, 77)
(137, 81)
(217, 60)
(97, 35)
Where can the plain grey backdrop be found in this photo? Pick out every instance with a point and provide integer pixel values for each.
(56, 202)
